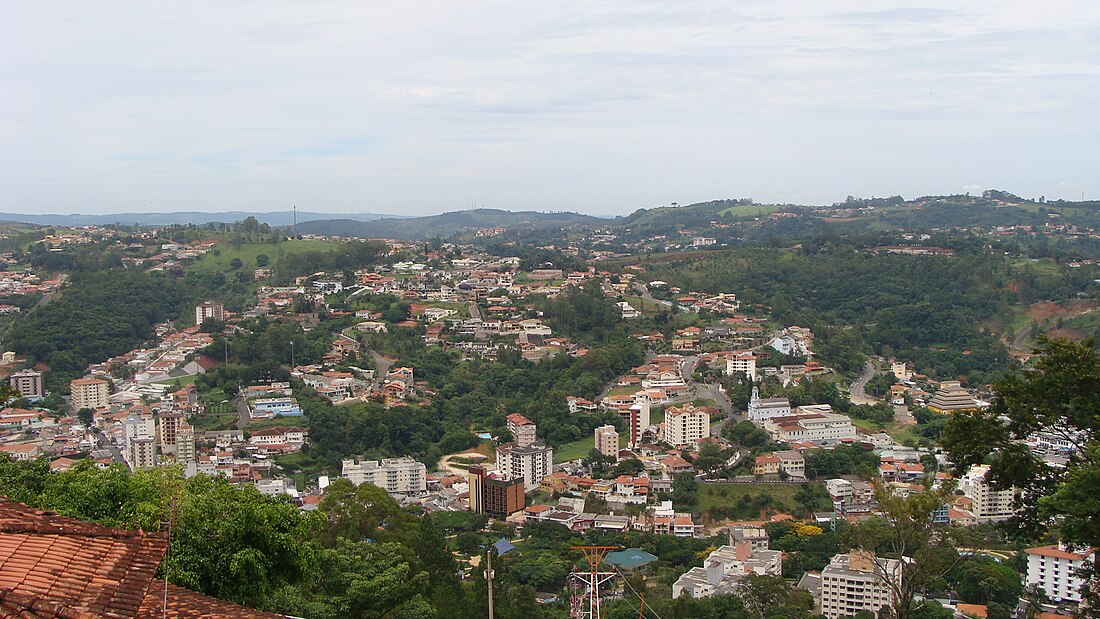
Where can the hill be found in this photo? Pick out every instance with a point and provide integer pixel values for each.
(447, 224)
(274, 218)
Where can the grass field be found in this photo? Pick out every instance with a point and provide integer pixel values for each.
(577, 449)
(248, 252)
(711, 495)
(749, 210)
(183, 380)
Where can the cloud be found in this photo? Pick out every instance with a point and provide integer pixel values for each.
(604, 106)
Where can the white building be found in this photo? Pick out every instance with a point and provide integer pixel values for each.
(394, 475)
(723, 570)
(685, 425)
(140, 441)
(627, 310)
(1054, 569)
(744, 363)
(857, 581)
(820, 428)
(766, 408)
(607, 441)
(530, 462)
(986, 504)
(185, 444)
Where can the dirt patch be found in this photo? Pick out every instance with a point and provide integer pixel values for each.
(1070, 334)
(1042, 311)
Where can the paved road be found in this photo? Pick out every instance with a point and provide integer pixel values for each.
(857, 393)
(475, 311)
(644, 292)
(382, 366)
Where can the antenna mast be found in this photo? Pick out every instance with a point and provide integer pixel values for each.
(590, 582)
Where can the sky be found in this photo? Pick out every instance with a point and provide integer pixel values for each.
(600, 107)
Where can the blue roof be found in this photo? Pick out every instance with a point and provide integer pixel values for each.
(630, 558)
(503, 546)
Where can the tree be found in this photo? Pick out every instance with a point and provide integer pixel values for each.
(262, 260)
(983, 581)
(86, 416)
(906, 532)
(235, 264)
(763, 594)
(1058, 396)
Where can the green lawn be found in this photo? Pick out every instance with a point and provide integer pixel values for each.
(248, 252)
(711, 494)
(576, 449)
(182, 380)
(749, 210)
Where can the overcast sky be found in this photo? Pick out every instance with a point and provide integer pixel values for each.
(600, 107)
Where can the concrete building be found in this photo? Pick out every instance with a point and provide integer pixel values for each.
(952, 398)
(530, 463)
(986, 504)
(89, 393)
(857, 581)
(209, 309)
(761, 409)
(140, 441)
(744, 363)
(1054, 569)
(685, 425)
(819, 428)
(185, 444)
(28, 384)
(724, 568)
(524, 431)
(792, 463)
(401, 476)
(168, 425)
(607, 441)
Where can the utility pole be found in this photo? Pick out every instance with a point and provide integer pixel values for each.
(294, 210)
(292, 363)
(489, 577)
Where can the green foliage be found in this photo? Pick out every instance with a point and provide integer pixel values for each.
(921, 308)
(983, 581)
(101, 315)
(1057, 394)
(856, 459)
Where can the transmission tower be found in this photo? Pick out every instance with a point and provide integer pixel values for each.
(585, 601)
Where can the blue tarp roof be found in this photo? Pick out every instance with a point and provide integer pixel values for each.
(502, 545)
(630, 558)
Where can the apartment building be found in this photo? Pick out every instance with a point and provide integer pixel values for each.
(401, 476)
(28, 384)
(857, 581)
(742, 362)
(524, 431)
(1054, 569)
(529, 462)
(685, 425)
(985, 503)
(607, 441)
(209, 310)
(89, 393)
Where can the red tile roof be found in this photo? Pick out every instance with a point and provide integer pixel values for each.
(63, 568)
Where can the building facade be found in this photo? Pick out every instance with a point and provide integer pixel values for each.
(1054, 569)
(524, 431)
(857, 581)
(607, 441)
(27, 383)
(529, 463)
(401, 476)
(685, 425)
(987, 504)
(209, 310)
(89, 393)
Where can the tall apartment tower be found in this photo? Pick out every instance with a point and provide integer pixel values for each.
(607, 441)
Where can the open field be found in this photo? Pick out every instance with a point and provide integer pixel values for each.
(749, 210)
(248, 252)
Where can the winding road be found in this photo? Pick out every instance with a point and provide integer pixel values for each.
(858, 393)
